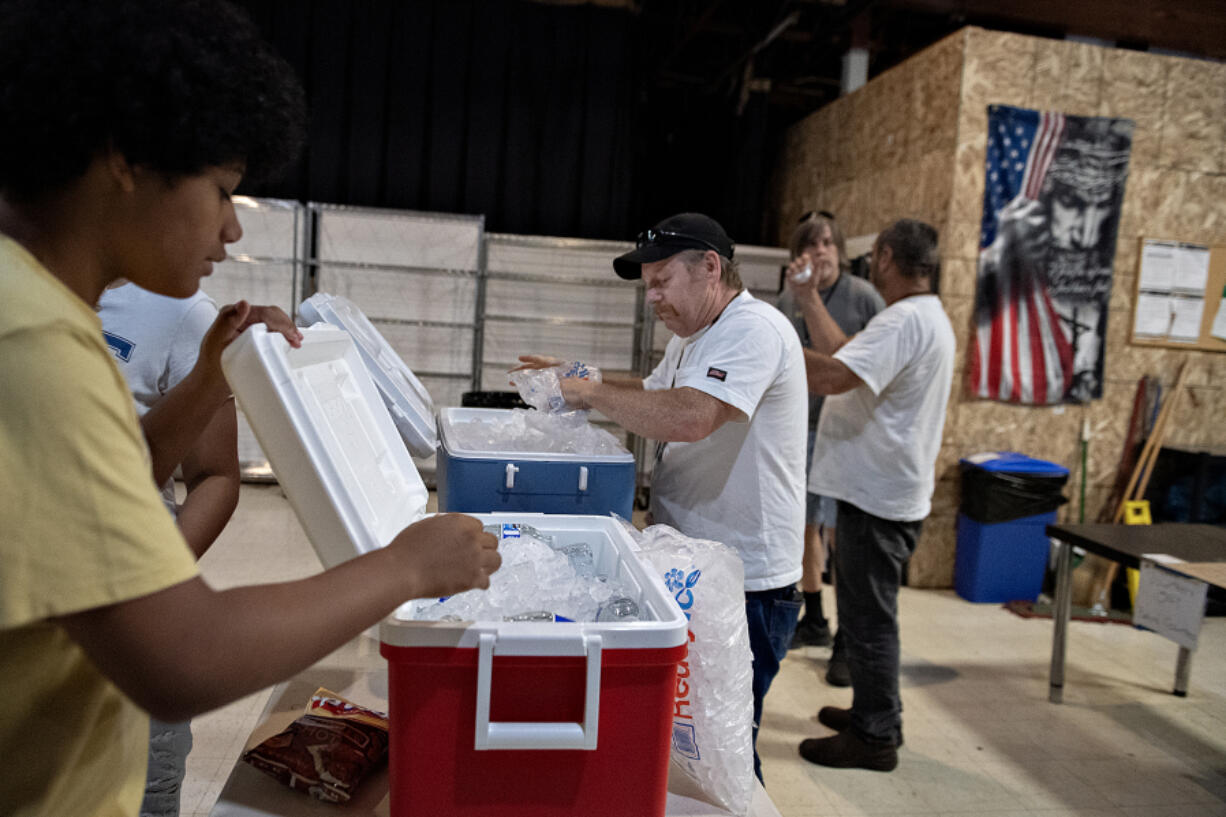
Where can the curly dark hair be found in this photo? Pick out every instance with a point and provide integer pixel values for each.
(174, 85)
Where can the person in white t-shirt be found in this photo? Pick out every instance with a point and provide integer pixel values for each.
(728, 407)
(156, 342)
(875, 452)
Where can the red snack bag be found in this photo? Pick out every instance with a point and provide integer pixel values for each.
(327, 751)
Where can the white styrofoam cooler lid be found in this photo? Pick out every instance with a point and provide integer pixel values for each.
(406, 398)
(322, 423)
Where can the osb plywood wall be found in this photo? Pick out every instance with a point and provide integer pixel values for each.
(912, 143)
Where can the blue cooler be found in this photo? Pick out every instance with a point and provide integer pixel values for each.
(1008, 500)
(493, 481)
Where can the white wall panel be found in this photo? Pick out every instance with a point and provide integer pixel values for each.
(403, 295)
(398, 239)
(268, 228)
(430, 348)
(527, 255)
(257, 282)
(606, 347)
(530, 298)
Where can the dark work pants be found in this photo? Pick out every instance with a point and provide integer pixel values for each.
(870, 554)
(771, 616)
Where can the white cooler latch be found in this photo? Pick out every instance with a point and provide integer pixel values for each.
(582, 477)
(512, 470)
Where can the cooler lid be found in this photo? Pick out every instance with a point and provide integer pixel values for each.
(331, 442)
(1012, 462)
(407, 399)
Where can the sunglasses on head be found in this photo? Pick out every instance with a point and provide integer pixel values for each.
(826, 214)
(654, 236)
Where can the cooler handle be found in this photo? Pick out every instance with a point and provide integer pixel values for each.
(512, 470)
(546, 735)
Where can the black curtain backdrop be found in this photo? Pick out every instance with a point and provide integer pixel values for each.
(543, 118)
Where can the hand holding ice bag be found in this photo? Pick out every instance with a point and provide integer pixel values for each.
(548, 384)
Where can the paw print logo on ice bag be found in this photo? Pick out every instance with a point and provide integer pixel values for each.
(679, 584)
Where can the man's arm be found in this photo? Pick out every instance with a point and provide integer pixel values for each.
(211, 474)
(671, 415)
(187, 649)
(825, 336)
(826, 375)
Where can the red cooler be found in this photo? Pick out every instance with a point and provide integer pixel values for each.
(532, 719)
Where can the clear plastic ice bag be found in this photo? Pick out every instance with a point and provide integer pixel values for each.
(712, 745)
(542, 388)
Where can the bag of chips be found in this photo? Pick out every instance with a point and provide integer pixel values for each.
(327, 751)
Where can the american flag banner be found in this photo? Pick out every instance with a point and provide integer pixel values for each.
(1053, 192)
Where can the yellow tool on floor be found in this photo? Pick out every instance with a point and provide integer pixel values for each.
(1136, 512)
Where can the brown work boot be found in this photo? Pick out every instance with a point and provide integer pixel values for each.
(847, 751)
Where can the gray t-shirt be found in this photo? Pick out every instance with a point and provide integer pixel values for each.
(851, 301)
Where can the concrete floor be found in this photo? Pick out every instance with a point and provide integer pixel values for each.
(981, 737)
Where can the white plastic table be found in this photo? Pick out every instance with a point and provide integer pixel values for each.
(358, 672)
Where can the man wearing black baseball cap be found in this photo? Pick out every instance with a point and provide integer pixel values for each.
(727, 406)
(685, 231)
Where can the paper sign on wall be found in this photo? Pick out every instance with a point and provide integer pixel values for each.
(1169, 604)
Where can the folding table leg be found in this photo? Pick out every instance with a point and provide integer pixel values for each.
(1183, 668)
(1060, 616)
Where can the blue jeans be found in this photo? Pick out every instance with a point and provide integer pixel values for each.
(869, 556)
(772, 617)
(169, 744)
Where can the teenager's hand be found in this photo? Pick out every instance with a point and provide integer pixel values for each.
(446, 554)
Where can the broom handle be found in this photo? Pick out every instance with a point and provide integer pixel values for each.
(1149, 455)
(1152, 444)
(1172, 403)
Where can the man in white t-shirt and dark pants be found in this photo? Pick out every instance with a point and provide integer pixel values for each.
(876, 451)
(728, 407)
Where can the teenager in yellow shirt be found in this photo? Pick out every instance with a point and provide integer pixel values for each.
(127, 128)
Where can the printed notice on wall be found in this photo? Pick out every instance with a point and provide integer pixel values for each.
(1170, 604)
(1186, 315)
(1153, 318)
(1192, 269)
(1158, 262)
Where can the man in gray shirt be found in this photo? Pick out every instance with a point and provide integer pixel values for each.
(818, 246)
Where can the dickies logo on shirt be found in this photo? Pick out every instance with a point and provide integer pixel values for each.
(717, 374)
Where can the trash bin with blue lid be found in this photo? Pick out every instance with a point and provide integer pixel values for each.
(1008, 500)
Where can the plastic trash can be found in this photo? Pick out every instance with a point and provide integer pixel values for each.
(1008, 500)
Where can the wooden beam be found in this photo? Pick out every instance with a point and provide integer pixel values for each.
(1195, 26)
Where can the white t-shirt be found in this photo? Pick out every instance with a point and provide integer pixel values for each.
(744, 484)
(155, 340)
(877, 444)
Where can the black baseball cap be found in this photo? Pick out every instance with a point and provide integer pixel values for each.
(685, 231)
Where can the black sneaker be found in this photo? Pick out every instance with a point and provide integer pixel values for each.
(809, 634)
(833, 717)
(837, 672)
